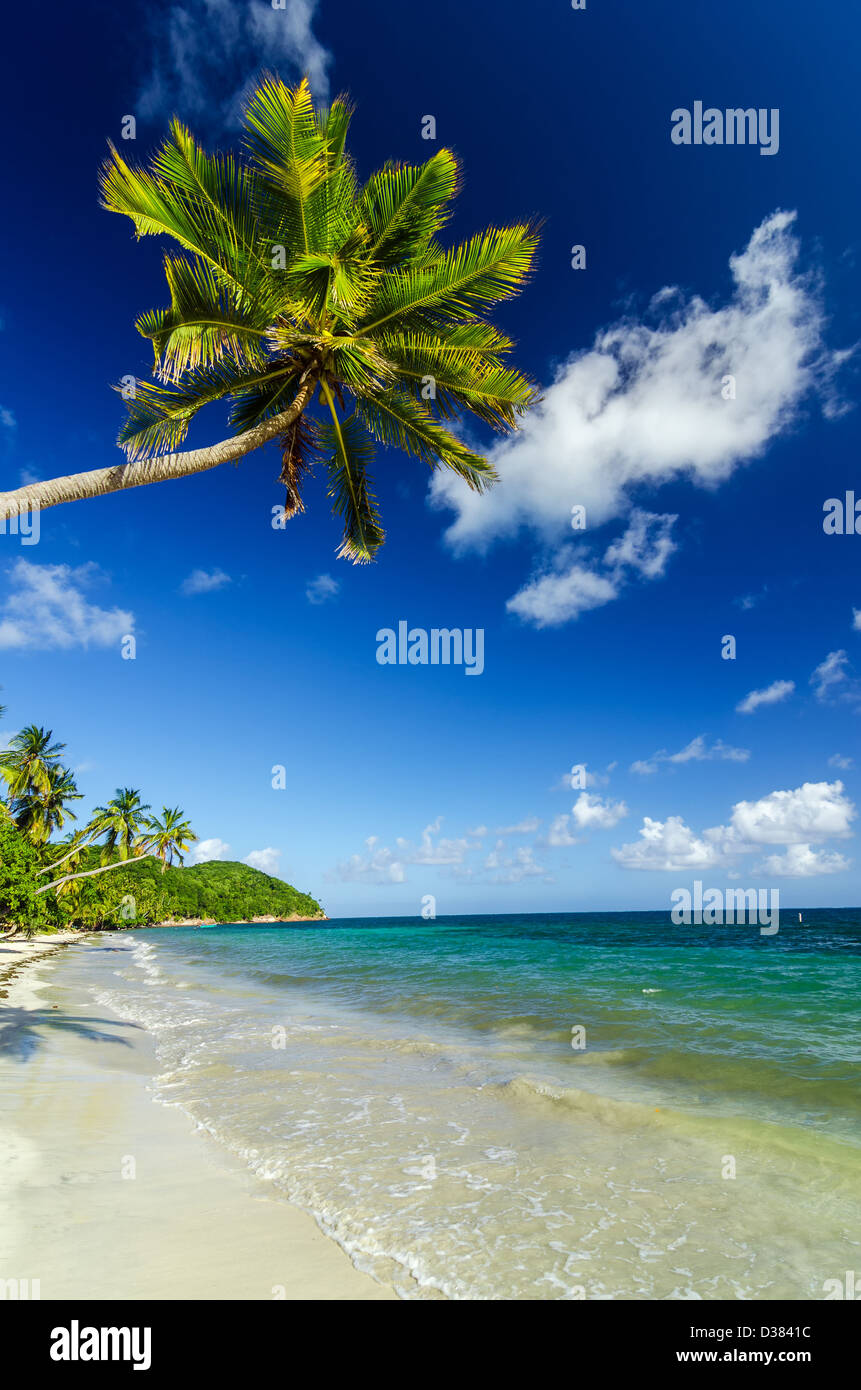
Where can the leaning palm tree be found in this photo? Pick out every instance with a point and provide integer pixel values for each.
(172, 835)
(295, 284)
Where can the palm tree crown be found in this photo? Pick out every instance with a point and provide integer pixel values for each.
(293, 281)
(122, 822)
(172, 835)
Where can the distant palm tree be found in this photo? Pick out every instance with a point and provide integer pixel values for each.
(122, 823)
(26, 764)
(172, 835)
(38, 814)
(293, 281)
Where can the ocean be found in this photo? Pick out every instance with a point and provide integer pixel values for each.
(563, 1106)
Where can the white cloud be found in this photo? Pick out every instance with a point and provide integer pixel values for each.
(205, 581)
(811, 813)
(814, 811)
(668, 846)
(838, 760)
(646, 546)
(591, 811)
(856, 619)
(7, 419)
(206, 850)
(384, 864)
(829, 674)
(322, 588)
(570, 587)
(698, 750)
(800, 861)
(771, 695)
(46, 609)
(267, 860)
(207, 55)
(557, 598)
(645, 405)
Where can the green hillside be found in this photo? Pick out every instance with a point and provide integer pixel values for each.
(225, 891)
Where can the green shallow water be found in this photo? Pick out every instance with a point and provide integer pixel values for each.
(414, 1085)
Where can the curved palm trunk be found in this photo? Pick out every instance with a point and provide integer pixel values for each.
(89, 873)
(97, 482)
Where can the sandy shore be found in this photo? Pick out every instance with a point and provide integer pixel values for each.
(107, 1194)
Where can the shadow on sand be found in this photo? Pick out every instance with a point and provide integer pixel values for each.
(21, 1030)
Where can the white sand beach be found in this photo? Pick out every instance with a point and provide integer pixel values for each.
(106, 1193)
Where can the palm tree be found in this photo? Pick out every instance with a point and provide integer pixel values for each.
(38, 814)
(121, 822)
(293, 282)
(27, 763)
(172, 835)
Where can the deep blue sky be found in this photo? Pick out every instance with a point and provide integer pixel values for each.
(557, 113)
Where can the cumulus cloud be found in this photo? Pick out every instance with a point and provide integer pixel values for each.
(807, 815)
(267, 860)
(205, 850)
(46, 609)
(814, 811)
(801, 861)
(838, 760)
(205, 581)
(207, 56)
(322, 588)
(771, 695)
(698, 750)
(646, 405)
(593, 812)
(668, 846)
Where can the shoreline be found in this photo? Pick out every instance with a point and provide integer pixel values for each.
(107, 1193)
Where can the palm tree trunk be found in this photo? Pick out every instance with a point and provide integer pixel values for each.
(57, 862)
(88, 873)
(97, 482)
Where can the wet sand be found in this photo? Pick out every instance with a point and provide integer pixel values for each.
(107, 1194)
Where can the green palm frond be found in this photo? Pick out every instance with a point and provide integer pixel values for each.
(401, 422)
(349, 454)
(405, 205)
(463, 283)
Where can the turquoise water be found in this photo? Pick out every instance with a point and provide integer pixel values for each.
(414, 1085)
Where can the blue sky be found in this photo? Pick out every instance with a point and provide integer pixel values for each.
(704, 514)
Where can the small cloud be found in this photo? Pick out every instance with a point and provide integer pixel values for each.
(207, 850)
(524, 827)
(698, 750)
(830, 674)
(837, 760)
(771, 695)
(559, 835)
(856, 619)
(204, 582)
(321, 589)
(266, 860)
(7, 419)
(594, 812)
